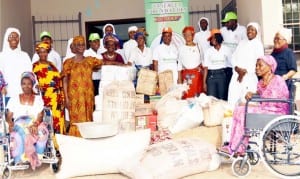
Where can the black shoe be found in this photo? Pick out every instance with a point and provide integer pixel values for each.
(58, 154)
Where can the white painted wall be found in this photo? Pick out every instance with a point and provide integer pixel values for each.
(268, 13)
(16, 13)
(98, 10)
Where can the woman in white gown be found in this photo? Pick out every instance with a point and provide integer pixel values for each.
(13, 61)
(244, 78)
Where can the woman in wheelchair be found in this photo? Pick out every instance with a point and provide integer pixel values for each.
(28, 133)
(269, 86)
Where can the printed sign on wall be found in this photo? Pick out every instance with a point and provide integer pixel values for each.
(165, 13)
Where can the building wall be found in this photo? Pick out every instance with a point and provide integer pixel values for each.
(268, 13)
(100, 10)
(16, 13)
(97, 10)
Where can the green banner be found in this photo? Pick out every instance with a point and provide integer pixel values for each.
(165, 13)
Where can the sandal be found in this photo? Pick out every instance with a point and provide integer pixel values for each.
(225, 149)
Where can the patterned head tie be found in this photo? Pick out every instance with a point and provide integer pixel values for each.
(42, 45)
(30, 76)
(78, 40)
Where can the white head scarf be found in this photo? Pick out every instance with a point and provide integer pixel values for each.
(6, 46)
(286, 33)
(257, 27)
(69, 52)
(113, 27)
(207, 20)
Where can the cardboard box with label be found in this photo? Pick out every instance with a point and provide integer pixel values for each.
(144, 122)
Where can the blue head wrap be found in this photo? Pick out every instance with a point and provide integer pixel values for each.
(29, 75)
(136, 35)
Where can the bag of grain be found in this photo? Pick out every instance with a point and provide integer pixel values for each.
(119, 104)
(121, 73)
(147, 82)
(173, 159)
(165, 81)
(213, 109)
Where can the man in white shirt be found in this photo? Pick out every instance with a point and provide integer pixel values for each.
(94, 51)
(53, 56)
(131, 43)
(203, 34)
(232, 34)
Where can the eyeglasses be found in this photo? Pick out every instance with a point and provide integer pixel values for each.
(278, 38)
(13, 36)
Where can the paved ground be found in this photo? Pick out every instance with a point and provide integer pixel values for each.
(44, 172)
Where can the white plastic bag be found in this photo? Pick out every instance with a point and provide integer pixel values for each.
(189, 117)
(176, 114)
(213, 109)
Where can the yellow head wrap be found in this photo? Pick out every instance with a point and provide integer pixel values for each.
(42, 45)
(78, 39)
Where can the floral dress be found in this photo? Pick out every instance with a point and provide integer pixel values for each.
(277, 88)
(50, 85)
(80, 90)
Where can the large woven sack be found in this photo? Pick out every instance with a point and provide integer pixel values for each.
(99, 97)
(119, 104)
(114, 72)
(211, 135)
(214, 113)
(147, 82)
(174, 159)
(99, 156)
(165, 81)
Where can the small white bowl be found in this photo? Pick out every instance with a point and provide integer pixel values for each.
(92, 130)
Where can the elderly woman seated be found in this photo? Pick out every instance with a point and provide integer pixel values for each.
(269, 86)
(28, 132)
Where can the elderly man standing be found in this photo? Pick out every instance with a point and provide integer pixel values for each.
(232, 33)
(53, 56)
(131, 43)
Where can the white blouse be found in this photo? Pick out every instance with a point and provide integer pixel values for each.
(14, 105)
(217, 59)
(189, 57)
(138, 57)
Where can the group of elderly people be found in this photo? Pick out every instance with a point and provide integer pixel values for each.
(225, 63)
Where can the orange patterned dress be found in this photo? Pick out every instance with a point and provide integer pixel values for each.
(80, 90)
(50, 85)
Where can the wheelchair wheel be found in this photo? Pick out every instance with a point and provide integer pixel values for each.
(241, 167)
(253, 157)
(6, 173)
(281, 146)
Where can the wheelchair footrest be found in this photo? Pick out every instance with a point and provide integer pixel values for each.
(19, 167)
(49, 160)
